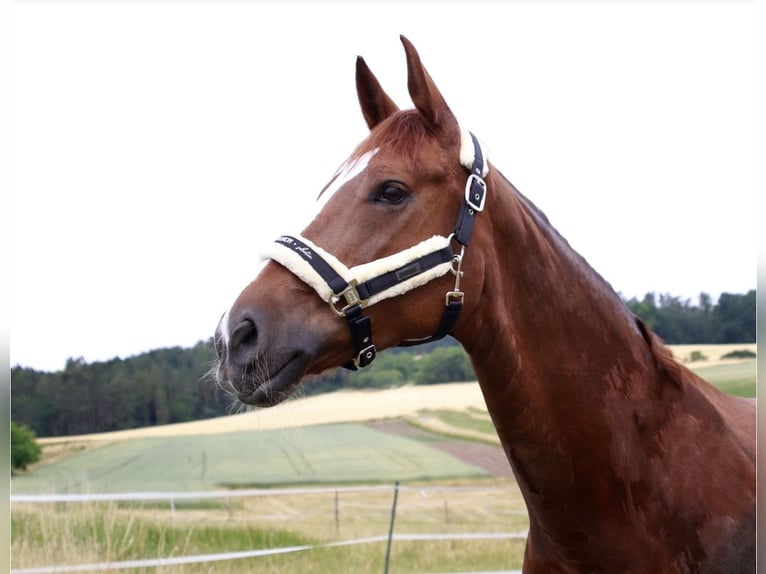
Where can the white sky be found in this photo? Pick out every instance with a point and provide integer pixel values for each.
(156, 146)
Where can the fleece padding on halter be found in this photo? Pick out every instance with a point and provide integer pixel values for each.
(375, 281)
(472, 154)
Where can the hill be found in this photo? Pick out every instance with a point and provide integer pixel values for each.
(337, 407)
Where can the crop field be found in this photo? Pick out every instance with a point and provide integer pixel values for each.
(311, 455)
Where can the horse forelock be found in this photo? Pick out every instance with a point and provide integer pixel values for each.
(401, 134)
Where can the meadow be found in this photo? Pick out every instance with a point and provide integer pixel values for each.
(89, 533)
(736, 379)
(443, 492)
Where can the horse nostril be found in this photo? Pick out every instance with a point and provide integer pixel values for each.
(243, 335)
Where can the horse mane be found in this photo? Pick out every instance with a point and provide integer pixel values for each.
(663, 357)
(402, 134)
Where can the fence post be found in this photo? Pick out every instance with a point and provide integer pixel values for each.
(337, 515)
(391, 527)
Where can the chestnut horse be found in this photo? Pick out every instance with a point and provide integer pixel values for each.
(628, 462)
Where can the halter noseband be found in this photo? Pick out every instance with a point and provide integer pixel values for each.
(349, 290)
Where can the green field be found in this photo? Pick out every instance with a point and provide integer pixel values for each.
(323, 454)
(736, 379)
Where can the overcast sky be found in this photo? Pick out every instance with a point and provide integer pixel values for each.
(155, 147)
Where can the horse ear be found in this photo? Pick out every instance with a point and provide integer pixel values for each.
(375, 103)
(424, 93)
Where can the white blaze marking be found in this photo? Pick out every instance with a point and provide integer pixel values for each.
(225, 328)
(346, 172)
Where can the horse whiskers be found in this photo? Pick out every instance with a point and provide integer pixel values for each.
(214, 378)
(237, 407)
(216, 373)
(254, 376)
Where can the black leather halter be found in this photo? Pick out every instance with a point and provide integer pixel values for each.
(354, 295)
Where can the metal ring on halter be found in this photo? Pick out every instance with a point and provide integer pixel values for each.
(457, 271)
(457, 259)
(351, 295)
(457, 262)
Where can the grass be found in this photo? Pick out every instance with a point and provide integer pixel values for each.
(97, 532)
(736, 379)
(93, 533)
(469, 420)
(466, 425)
(451, 556)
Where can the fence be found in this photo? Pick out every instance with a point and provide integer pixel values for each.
(447, 512)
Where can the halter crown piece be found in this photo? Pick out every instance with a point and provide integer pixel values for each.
(349, 290)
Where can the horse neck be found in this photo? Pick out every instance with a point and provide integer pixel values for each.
(605, 432)
(548, 312)
(554, 348)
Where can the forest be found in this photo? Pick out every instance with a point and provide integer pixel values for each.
(174, 384)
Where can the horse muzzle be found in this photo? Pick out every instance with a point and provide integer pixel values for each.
(256, 373)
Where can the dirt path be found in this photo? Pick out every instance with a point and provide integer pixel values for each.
(488, 457)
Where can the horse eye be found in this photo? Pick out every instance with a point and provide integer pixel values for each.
(391, 193)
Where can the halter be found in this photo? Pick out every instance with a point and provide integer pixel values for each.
(349, 290)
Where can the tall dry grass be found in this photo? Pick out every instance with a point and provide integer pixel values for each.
(90, 533)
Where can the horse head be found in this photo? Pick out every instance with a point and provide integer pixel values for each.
(383, 251)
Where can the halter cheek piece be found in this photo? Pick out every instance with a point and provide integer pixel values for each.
(349, 290)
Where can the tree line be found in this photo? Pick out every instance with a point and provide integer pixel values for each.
(173, 385)
(162, 386)
(680, 321)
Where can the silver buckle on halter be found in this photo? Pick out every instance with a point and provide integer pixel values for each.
(475, 200)
(453, 296)
(364, 357)
(350, 294)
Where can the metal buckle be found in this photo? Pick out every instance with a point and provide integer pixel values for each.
(350, 294)
(473, 199)
(365, 357)
(456, 295)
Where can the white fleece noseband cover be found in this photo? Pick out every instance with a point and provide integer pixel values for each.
(294, 259)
